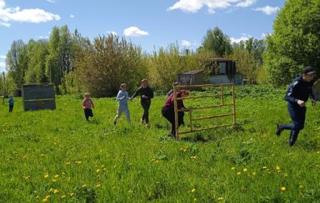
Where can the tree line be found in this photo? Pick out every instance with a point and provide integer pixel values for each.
(75, 64)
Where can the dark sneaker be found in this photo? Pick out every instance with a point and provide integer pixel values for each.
(279, 130)
(114, 122)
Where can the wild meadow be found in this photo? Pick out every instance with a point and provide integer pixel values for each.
(56, 156)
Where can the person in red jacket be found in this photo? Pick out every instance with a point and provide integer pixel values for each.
(168, 110)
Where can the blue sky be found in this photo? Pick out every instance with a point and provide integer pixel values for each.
(148, 23)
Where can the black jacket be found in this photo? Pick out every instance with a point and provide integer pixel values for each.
(299, 90)
(144, 91)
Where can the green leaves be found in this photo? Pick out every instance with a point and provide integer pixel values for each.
(295, 41)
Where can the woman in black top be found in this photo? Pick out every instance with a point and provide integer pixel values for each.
(146, 94)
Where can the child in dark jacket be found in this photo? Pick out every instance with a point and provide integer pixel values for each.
(11, 103)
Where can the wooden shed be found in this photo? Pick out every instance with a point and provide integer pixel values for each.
(191, 78)
(38, 97)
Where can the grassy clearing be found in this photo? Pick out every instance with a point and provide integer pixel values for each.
(56, 156)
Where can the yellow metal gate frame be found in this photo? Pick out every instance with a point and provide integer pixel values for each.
(190, 110)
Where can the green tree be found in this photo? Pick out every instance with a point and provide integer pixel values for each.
(295, 41)
(53, 63)
(17, 62)
(217, 42)
(37, 53)
(109, 62)
(165, 64)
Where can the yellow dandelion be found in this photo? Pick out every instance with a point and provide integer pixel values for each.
(285, 175)
(278, 168)
(78, 162)
(220, 198)
(254, 173)
(193, 190)
(54, 180)
(283, 189)
(45, 200)
(264, 167)
(71, 194)
(67, 163)
(84, 185)
(193, 157)
(98, 185)
(301, 186)
(239, 173)
(51, 189)
(46, 175)
(233, 168)
(245, 170)
(55, 191)
(63, 196)
(98, 170)
(56, 176)
(27, 177)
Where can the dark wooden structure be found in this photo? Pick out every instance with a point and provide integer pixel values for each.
(38, 97)
(194, 77)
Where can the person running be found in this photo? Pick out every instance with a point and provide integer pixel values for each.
(87, 105)
(122, 98)
(297, 95)
(146, 94)
(168, 110)
(11, 103)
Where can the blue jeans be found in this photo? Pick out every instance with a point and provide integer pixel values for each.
(298, 117)
(122, 109)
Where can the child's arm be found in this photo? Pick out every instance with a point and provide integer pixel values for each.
(136, 93)
(83, 106)
(120, 96)
(290, 92)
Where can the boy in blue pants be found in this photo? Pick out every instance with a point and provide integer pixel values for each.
(122, 98)
(297, 95)
(11, 103)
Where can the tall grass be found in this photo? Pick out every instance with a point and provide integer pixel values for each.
(56, 156)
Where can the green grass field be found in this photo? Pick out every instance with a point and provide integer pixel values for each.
(56, 156)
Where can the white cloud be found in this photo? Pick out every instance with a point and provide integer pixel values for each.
(268, 10)
(72, 16)
(2, 57)
(5, 24)
(186, 44)
(244, 37)
(51, 1)
(194, 6)
(2, 66)
(264, 35)
(33, 15)
(43, 37)
(134, 31)
(112, 33)
(246, 3)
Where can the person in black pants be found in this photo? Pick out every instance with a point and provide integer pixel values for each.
(168, 110)
(146, 94)
(297, 95)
